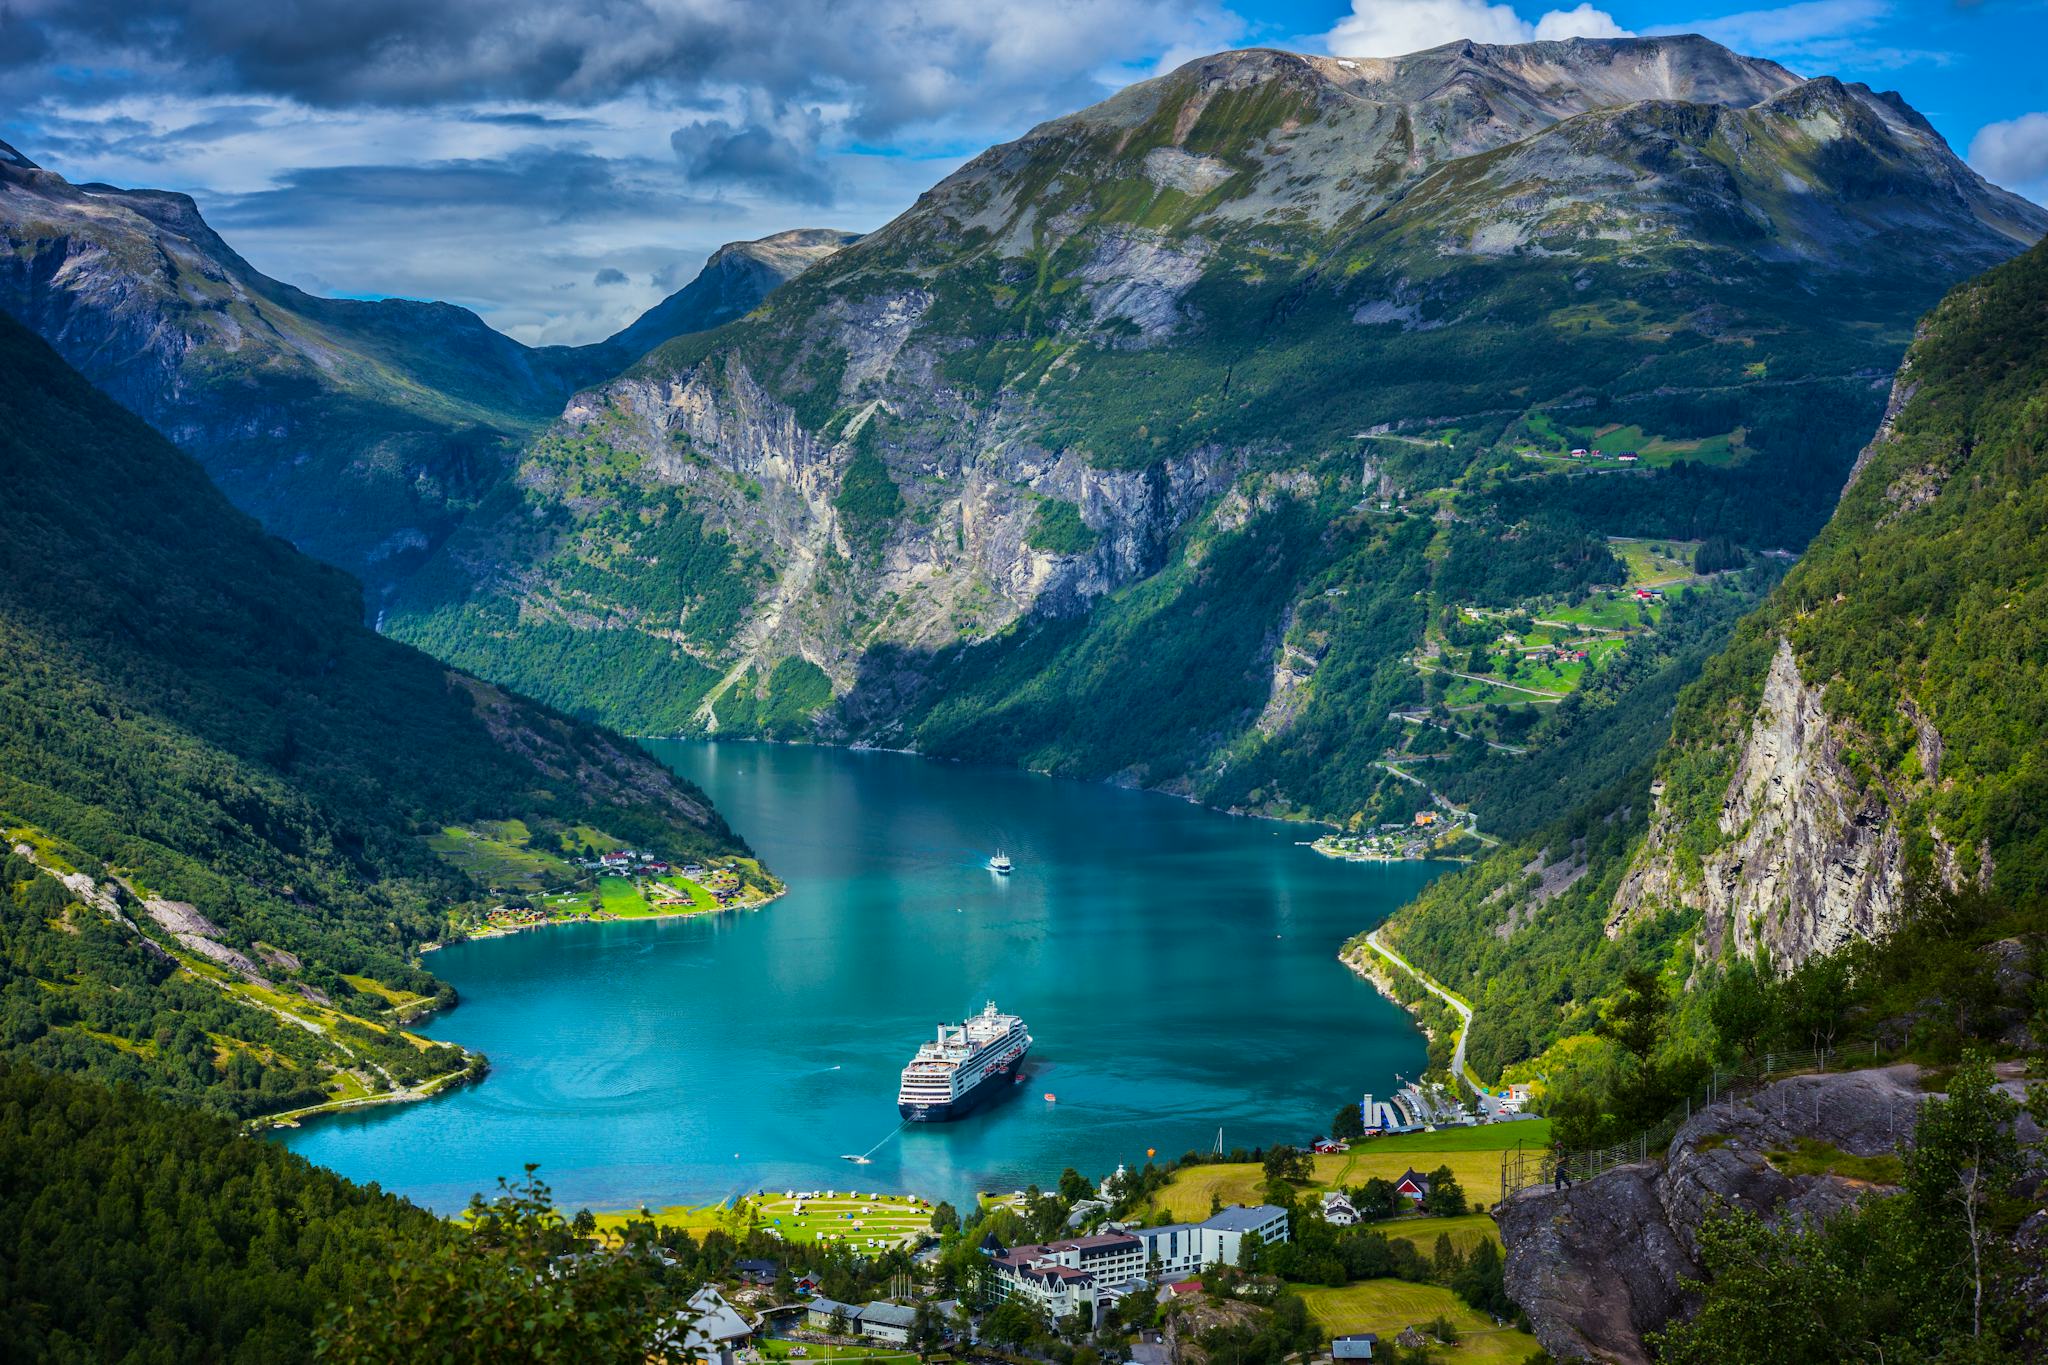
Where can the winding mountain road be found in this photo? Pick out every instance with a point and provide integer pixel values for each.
(1463, 1010)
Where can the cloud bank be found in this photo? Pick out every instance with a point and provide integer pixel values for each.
(1394, 28)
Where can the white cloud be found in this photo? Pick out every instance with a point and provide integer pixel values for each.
(2014, 154)
(1393, 28)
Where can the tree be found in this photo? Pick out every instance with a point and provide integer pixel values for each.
(945, 1218)
(509, 1290)
(1375, 1198)
(1964, 1154)
(1012, 1323)
(1347, 1123)
(1446, 1260)
(1446, 1197)
(1289, 1163)
(1482, 1281)
(836, 1324)
(1636, 1018)
(1742, 1007)
(1074, 1186)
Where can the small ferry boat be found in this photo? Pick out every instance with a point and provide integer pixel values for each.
(1000, 864)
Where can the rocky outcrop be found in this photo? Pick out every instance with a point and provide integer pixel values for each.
(1600, 1264)
(1813, 855)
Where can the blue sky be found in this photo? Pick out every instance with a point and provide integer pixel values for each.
(559, 165)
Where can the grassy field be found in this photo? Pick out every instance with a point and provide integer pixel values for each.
(627, 899)
(1466, 1231)
(890, 1219)
(1473, 1154)
(500, 854)
(1388, 1306)
(1652, 563)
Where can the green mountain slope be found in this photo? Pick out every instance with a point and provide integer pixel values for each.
(1873, 734)
(361, 430)
(1171, 442)
(216, 782)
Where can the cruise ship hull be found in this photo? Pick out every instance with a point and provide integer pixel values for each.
(993, 1086)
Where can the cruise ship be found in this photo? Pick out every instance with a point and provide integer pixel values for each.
(966, 1066)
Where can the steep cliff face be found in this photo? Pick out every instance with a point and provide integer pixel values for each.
(1886, 740)
(1812, 852)
(998, 453)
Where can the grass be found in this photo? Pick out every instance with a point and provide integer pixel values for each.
(1465, 1231)
(1473, 1154)
(1389, 1306)
(776, 1348)
(1652, 563)
(397, 999)
(893, 1218)
(850, 1219)
(1810, 1156)
(501, 856)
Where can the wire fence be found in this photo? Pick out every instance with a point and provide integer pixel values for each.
(1523, 1168)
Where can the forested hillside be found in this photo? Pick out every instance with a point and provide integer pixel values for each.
(216, 781)
(1873, 741)
(1198, 439)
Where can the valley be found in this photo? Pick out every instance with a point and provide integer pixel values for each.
(1563, 517)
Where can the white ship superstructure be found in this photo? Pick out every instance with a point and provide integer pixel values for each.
(965, 1064)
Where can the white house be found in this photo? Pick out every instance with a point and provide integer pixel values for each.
(1337, 1210)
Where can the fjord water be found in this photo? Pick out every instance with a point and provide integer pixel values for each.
(1177, 968)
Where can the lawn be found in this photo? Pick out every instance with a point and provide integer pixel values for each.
(1652, 563)
(847, 1218)
(621, 896)
(397, 999)
(1473, 1154)
(1606, 611)
(1389, 1306)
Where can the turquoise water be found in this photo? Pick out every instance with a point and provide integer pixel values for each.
(1176, 966)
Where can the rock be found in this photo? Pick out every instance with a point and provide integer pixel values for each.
(1813, 857)
(1595, 1266)
(1600, 1264)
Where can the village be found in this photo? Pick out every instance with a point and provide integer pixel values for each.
(583, 876)
(1172, 1265)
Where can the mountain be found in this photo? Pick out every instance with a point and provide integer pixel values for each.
(1867, 753)
(360, 430)
(222, 795)
(1178, 441)
(732, 284)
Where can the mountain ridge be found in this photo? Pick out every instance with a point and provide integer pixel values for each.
(402, 412)
(961, 475)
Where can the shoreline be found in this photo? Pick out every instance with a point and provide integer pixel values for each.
(508, 930)
(1370, 960)
(425, 1090)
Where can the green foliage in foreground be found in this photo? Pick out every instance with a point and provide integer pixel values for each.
(134, 1232)
(1927, 1275)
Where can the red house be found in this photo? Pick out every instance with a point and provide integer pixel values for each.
(1413, 1184)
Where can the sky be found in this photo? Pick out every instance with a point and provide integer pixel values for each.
(561, 165)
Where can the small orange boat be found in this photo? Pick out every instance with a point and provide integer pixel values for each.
(1050, 1098)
